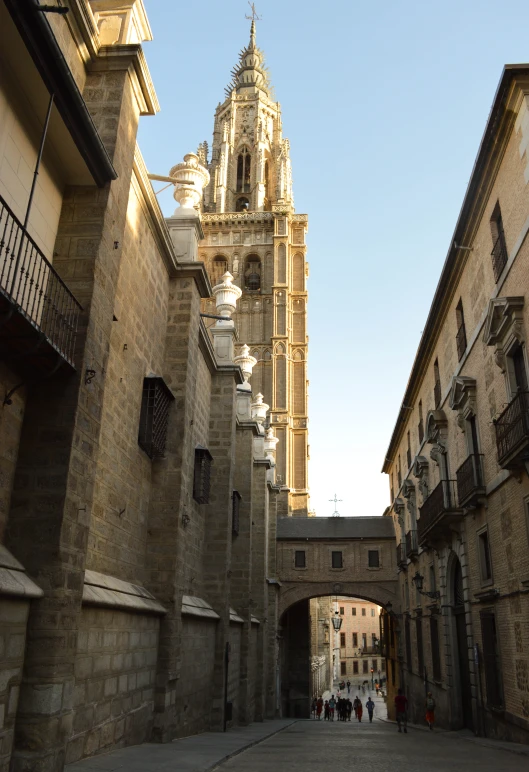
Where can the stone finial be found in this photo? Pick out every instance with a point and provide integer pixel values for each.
(190, 180)
(226, 297)
(259, 409)
(246, 362)
(270, 442)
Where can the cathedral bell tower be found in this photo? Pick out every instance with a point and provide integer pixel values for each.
(252, 230)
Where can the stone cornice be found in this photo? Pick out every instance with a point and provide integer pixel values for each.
(206, 347)
(129, 56)
(234, 217)
(513, 84)
(196, 271)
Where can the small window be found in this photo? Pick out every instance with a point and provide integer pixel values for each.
(364, 641)
(518, 367)
(337, 560)
(154, 416)
(461, 335)
(408, 452)
(372, 612)
(343, 668)
(355, 640)
(437, 384)
(365, 666)
(491, 659)
(244, 165)
(354, 607)
(342, 640)
(342, 610)
(374, 664)
(235, 510)
(300, 559)
(242, 204)
(421, 423)
(373, 559)
(252, 274)
(484, 556)
(363, 612)
(499, 245)
(202, 475)
(355, 667)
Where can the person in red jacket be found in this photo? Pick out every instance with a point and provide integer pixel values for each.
(401, 706)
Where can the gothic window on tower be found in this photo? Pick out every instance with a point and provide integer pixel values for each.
(267, 204)
(242, 204)
(252, 274)
(219, 266)
(244, 165)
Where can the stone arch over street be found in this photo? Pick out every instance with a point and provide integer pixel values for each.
(376, 592)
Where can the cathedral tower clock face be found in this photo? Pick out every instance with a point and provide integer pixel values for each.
(252, 230)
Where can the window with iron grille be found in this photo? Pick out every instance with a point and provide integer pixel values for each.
(202, 475)
(373, 559)
(337, 561)
(299, 559)
(491, 659)
(235, 512)
(154, 416)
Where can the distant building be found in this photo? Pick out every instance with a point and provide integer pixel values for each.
(458, 457)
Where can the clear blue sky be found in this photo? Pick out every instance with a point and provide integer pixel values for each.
(384, 105)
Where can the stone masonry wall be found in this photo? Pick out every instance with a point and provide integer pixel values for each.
(13, 618)
(195, 688)
(114, 686)
(11, 418)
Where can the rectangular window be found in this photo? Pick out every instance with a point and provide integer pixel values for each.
(383, 665)
(364, 641)
(343, 668)
(374, 665)
(519, 371)
(374, 640)
(363, 612)
(437, 384)
(156, 399)
(484, 557)
(372, 612)
(202, 475)
(235, 512)
(491, 659)
(342, 611)
(408, 451)
(461, 335)
(354, 608)
(373, 560)
(355, 667)
(355, 640)
(433, 586)
(342, 640)
(365, 666)
(391, 490)
(421, 423)
(436, 654)
(499, 248)
(420, 649)
(337, 560)
(299, 559)
(399, 472)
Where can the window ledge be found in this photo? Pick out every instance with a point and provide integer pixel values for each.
(338, 569)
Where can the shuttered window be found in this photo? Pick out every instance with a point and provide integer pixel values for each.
(202, 475)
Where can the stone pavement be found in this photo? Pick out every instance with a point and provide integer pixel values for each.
(199, 753)
(376, 747)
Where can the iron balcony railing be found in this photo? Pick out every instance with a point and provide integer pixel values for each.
(30, 282)
(469, 479)
(499, 255)
(442, 499)
(437, 393)
(461, 341)
(512, 428)
(411, 544)
(401, 554)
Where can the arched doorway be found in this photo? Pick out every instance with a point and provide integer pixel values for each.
(462, 668)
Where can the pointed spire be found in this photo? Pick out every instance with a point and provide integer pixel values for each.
(252, 35)
(250, 70)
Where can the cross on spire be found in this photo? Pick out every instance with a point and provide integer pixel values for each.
(335, 501)
(254, 17)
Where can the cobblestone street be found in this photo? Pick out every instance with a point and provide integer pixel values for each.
(369, 747)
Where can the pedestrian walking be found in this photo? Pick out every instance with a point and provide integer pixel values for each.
(319, 707)
(348, 687)
(332, 706)
(357, 706)
(349, 709)
(370, 707)
(377, 687)
(430, 710)
(326, 711)
(401, 707)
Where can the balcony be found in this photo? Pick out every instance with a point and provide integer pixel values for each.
(499, 255)
(401, 556)
(470, 485)
(512, 432)
(39, 315)
(412, 548)
(438, 513)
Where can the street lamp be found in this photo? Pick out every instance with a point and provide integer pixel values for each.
(418, 581)
(336, 621)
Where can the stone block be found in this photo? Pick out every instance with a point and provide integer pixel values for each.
(111, 686)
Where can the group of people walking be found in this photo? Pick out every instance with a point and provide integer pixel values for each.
(342, 707)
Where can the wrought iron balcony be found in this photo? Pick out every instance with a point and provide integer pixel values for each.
(412, 548)
(512, 432)
(38, 314)
(438, 512)
(499, 255)
(461, 341)
(401, 556)
(470, 480)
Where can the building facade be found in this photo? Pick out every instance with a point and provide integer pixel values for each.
(252, 230)
(457, 459)
(358, 642)
(138, 498)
